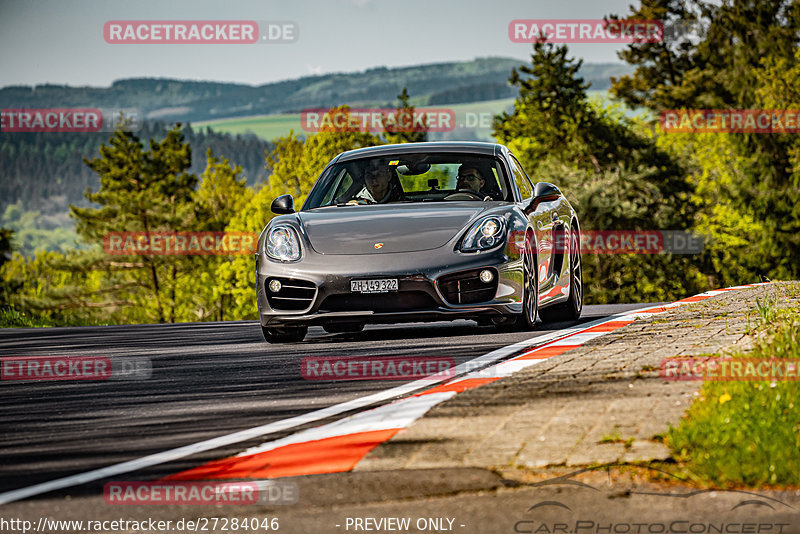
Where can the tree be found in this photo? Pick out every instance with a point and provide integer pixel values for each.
(140, 191)
(720, 70)
(551, 111)
(223, 192)
(745, 58)
(395, 133)
(6, 236)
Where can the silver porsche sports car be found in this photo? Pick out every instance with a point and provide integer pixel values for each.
(419, 232)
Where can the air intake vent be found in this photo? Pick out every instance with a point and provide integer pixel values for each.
(467, 287)
(293, 295)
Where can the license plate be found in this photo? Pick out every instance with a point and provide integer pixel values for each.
(373, 286)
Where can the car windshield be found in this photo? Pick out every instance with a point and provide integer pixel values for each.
(411, 178)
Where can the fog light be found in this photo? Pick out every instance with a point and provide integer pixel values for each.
(486, 276)
(274, 286)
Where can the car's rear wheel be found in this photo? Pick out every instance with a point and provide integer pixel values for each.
(343, 328)
(287, 334)
(571, 309)
(531, 300)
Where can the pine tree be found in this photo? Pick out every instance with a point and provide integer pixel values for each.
(393, 130)
(141, 191)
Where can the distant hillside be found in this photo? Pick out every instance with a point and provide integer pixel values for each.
(171, 100)
(42, 173)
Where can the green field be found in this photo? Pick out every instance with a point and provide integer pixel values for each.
(473, 121)
(474, 116)
(265, 126)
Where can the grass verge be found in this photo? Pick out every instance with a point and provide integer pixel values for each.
(747, 433)
(13, 318)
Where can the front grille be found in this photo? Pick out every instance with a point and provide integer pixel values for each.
(294, 294)
(467, 288)
(380, 302)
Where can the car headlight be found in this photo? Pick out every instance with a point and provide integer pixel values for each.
(282, 244)
(485, 234)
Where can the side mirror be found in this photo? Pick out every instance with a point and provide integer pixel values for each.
(543, 192)
(282, 205)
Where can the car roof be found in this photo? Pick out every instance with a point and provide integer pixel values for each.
(469, 147)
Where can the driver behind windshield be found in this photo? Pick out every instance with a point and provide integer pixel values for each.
(469, 178)
(379, 187)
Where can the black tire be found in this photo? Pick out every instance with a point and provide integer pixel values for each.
(530, 301)
(530, 296)
(343, 328)
(571, 309)
(293, 334)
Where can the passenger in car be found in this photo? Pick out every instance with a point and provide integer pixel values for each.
(380, 187)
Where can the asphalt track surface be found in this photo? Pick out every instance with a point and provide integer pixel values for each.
(208, 380)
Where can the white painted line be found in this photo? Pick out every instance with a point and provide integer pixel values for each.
(577, 339)
(504, 369)
(398, 414)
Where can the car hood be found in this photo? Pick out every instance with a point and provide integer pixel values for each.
(399, 228)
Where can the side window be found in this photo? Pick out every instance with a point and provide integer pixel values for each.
(344, 182)
(522, 180)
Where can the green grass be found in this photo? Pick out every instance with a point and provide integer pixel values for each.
(747, 433)
(616, 437)
(265, 126)
(766, 310)
(11, 318)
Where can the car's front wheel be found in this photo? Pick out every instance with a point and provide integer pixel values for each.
(530, 295)
(292, 334)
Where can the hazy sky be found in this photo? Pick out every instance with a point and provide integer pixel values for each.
(61, 41)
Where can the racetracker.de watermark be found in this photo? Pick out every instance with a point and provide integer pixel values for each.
(199, 32)
(378, 120)
(621, 242)
(68, 120)
(391, 368)
(49, 368)
(159, 492)
(730, 120)
(585, 31)
(726, 369)
(180, 243)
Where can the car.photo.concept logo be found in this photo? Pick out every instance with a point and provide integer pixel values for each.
(735, 511)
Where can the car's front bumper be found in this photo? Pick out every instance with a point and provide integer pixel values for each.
(425, 287)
